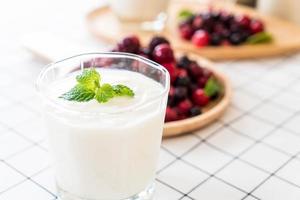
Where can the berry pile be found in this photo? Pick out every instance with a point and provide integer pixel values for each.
(217, 28)
(192, 86)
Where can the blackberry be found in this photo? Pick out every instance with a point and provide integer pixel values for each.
(215, 39)
(194, 111)
(184, 62)
(182, 81)
(180, 93)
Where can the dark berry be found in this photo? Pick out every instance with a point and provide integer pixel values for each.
(156, 40)
(184, 62)
(186, 31)
(171, 115)
(194, 111)
(195, 70)
(182, 81)
(171, 67)
(236, 38)
(216, 39)
(184, 106)
(199, 97)
(202, 81)
(131, 44)
(256, 26)
(180, 93)
(163, 53)
(201, 38)
(171, 97)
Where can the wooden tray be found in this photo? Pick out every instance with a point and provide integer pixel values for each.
(210, 113)
(103, 24)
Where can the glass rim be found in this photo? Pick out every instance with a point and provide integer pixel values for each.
(67, 109)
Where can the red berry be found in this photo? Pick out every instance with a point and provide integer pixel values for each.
(131, 44)
(202, 81)
(186, 31)
(201, 38)
(182, 73)
(243, 20)
(171, 67)
(171, 115)
(184, 106)
(163, 53)
(256, 26)
(195, 70)
(171, 92)
(199, 97)
(197, 22)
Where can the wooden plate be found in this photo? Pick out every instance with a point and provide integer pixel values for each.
(210, 113)
(103, 24)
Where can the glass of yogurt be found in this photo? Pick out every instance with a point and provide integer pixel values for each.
(105, 151)
(146, 15)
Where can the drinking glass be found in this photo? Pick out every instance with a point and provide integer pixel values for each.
(101, 154)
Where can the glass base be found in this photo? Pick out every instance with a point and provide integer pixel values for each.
(147, 194)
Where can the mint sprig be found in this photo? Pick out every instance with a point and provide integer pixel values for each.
(185, 14)
(88, 87)
(212, 87)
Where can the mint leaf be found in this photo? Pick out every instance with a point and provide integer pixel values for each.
(90, 78)
(104, 93)
(212, 87)
(122, 90)
(79, 93)
(185, 14)
(260, 38)
(88, 87)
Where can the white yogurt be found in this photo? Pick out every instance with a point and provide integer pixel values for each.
(138, 10)
(106, 156)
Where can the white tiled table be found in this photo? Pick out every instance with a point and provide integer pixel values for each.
(251, 153)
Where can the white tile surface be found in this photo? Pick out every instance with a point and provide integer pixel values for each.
(230, 142)
(164, 159)
(30, 161)
(275, 189)
(209, 130)
(272, 113)
(11, 143)
(180, 145)
(182, 176)
(265, 157)
(231, 114)
(288, 172)
(244, 101)
(242, 175)
(207, 158)
(27, 190)
(46, 179)
(214, 189)
(164, 192)
(294, 124)
(284, 140)
(252, 126)
(9, 177)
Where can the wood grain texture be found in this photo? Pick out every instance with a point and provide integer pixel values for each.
(103, 24)
(210, 113)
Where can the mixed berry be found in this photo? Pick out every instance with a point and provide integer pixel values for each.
(215, 28)
(192, 86)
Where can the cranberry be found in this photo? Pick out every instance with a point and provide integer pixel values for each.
(184, 106)
(156, 40)
(243, 20)
(201, 38)
(197, 22)
(194, 111)
(256, 26)
(195, 70)
(186, 31)
(131, 44)
(171, 115)
(163, 53)
(171, 67)
(199, 97)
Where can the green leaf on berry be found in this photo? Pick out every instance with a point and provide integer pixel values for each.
(260, 38)
(88, 87)
(123, 90)
(185, 14)
(212, 87)
(79, 93)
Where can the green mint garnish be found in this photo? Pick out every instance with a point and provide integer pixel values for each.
(185, 14)
(88, 87)
(260, 38)
(212, 87)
